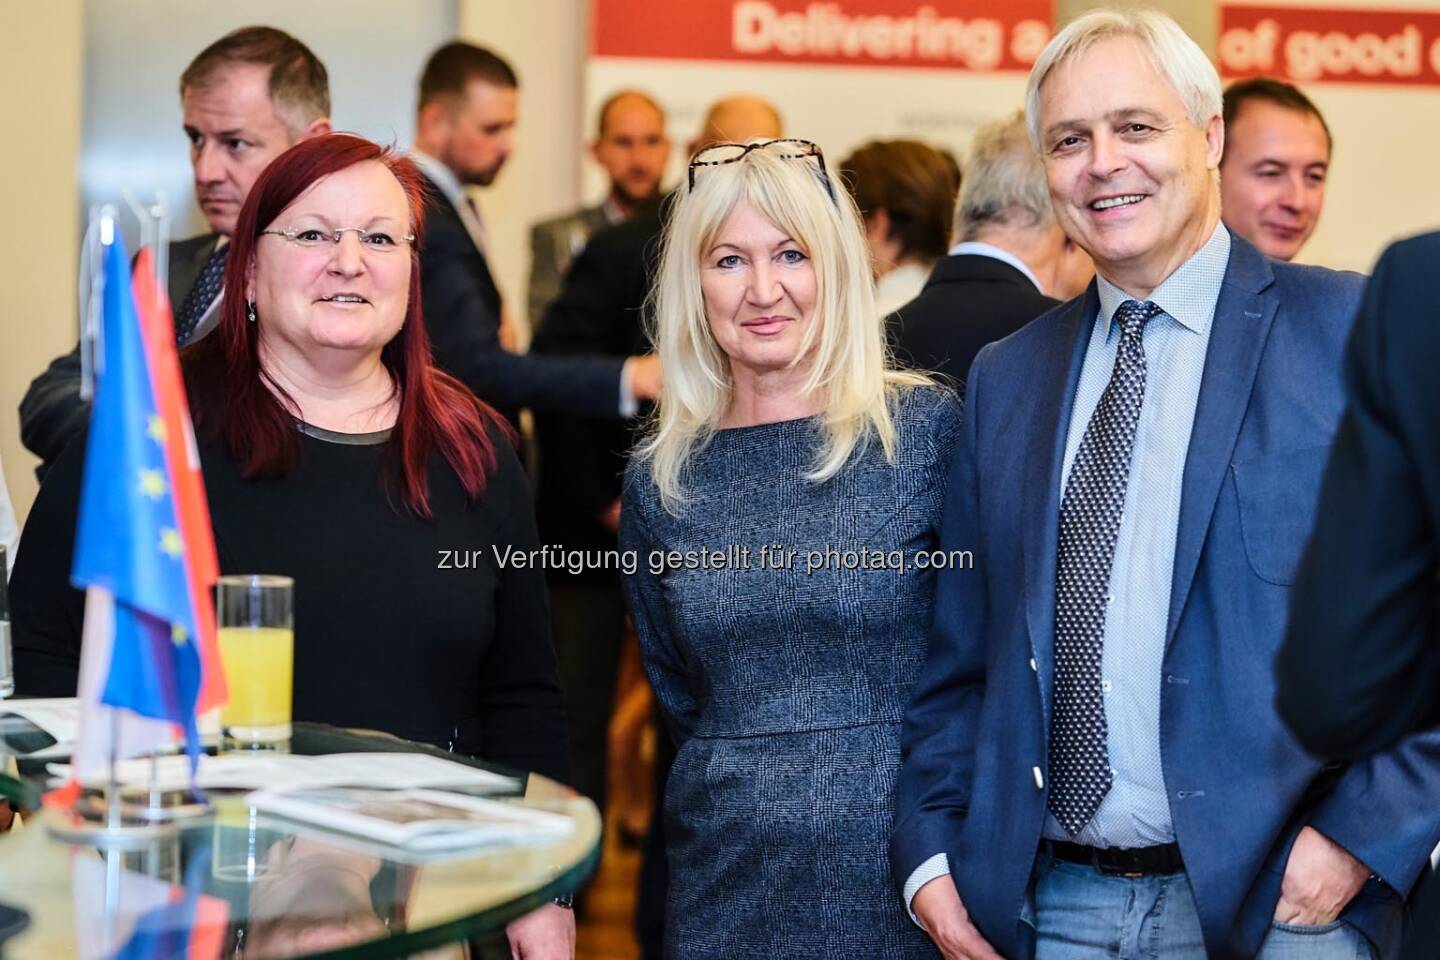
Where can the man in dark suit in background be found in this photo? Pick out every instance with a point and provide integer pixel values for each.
(1093, 755)
(247, 98)
(1360, 668)
(464, 134)
(1013, 262)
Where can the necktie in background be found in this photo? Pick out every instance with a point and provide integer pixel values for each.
(201, 295)
(1080, 774)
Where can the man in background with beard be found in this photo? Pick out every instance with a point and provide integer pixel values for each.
(632, 148)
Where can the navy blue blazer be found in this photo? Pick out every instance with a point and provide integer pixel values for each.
(973, 782)
(462, 317)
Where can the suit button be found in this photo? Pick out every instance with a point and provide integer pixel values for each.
(1039, 778)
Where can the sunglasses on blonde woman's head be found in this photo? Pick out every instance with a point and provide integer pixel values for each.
(787, 148)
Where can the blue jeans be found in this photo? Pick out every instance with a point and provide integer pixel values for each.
(1082, 914)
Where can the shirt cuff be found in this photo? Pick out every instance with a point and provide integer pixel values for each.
(629, 406)
(936, 866)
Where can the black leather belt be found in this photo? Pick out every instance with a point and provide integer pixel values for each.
(1120, 861)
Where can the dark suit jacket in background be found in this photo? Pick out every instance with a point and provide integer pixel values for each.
(462, 316)
(599, 310)
(1240, 786)
(1360, 668)
(970, 300)
(554, 245)
(51, 412)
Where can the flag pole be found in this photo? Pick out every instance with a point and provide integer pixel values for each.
(161, 252)
(109, 935)
(100, 231)
(114, 819)
(155, 220)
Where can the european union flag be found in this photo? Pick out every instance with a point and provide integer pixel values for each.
(129, 541)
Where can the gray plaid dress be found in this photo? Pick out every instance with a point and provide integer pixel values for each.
(785, 676)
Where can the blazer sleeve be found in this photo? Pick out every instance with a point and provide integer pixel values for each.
(583, 460)
(522, 712)
(645, 597)
(1360, 666)
(544, 273)
(46, 611)
(51, 412)
(465, 338)
(1358, 669)
(598, 303)
(937, 746)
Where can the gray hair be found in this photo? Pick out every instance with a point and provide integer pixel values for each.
(1004, 181)
(1177, 58)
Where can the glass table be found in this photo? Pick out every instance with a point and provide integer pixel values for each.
(238, 883)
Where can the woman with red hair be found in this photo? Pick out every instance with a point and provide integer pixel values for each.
(336, 453)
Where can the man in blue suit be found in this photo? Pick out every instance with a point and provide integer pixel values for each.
(1093, 763)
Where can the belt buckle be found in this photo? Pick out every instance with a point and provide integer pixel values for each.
(1114, 867)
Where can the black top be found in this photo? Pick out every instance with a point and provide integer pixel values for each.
(970, 300)
(404, 625)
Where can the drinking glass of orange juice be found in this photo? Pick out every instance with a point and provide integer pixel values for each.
(257, 648)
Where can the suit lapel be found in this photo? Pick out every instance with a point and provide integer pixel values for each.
(184, 267)
(1059, 369)
(454, 200)
(1243, 317)
(442, 206)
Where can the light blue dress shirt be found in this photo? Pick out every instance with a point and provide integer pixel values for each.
(1136, 811)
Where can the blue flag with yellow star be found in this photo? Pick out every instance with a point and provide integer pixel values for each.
(128, 541)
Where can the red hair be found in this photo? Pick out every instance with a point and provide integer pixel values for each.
(239, 402)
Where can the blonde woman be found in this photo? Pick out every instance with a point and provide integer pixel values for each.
(784, 510)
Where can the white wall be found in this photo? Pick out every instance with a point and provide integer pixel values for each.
(133, 137)
(546, 41)
(41, 47)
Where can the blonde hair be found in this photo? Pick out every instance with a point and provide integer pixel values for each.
(850, 366)
(1178, 59)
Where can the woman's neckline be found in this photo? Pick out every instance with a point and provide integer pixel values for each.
(771, 423)
(369, 439)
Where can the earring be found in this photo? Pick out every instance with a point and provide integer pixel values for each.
(250, 310)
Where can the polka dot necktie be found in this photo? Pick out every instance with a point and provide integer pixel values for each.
(201, 295)
(1080, 774)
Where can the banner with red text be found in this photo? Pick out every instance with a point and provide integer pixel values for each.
(1344, 44)
(968, 35)
(1372, 67)
(841, 72)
